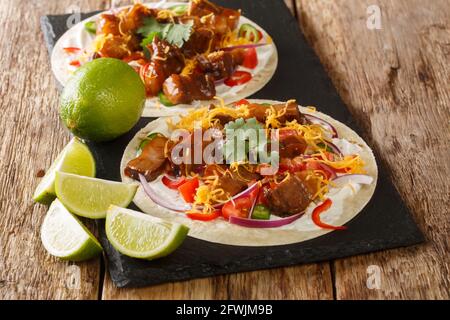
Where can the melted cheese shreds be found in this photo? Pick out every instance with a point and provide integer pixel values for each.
(206, 117)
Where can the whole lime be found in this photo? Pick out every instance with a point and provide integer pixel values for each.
(102, 100)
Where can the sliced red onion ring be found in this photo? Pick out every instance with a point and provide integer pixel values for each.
(156, 198)
(356, 178)
(323, 123)
(253, 223)
(244, 46)
(335, 149)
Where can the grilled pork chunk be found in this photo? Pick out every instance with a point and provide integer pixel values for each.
(151, 162)
(289, 197)
(183, 89)
(166, 60)
(220, 64)
(258, 111)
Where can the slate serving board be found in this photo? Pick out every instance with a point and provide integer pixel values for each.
(383, 224)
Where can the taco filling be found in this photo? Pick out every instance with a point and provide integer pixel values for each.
(256, 165)
(181, 52)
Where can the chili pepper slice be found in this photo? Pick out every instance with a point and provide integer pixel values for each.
(316, 216)
(250, 33)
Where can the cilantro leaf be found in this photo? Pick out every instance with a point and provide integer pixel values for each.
(175, 34)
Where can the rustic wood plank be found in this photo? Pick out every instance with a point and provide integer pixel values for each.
(303, 282)
(32, 135)
(396, 83)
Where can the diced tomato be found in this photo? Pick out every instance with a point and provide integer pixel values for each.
(241, 102)
(173, 184)
(75, 63)
(71, 49)
(238, 78)
(188, 189)
(316, 216)
(205, 216)
(262, 196)
(250, 58)
(237, 208)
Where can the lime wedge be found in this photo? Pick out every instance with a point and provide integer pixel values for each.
(74, 158)
(65, 237)
(90, 197)
(142, 236)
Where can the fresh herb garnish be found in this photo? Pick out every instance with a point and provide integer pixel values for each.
(176, 34)
(90, 27)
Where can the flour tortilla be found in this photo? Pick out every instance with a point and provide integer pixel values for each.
(221, 231)
(78, 37)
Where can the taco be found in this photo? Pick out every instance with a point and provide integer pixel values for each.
(184, 53)
(255, 173)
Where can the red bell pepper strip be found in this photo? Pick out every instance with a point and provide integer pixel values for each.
(75, 63)
(238, 78)
(72, 49)
(316, 216)
(204, 216)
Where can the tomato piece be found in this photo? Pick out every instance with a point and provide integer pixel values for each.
(75, 63)
(173, 184)
(71, 49)
(204, 216)
(238, 78)
(316, 216)
(262, 196)
(250, 59)
(188, 189)
(237, 208)
(242, 102)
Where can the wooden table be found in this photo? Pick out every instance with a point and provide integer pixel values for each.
(396, 82)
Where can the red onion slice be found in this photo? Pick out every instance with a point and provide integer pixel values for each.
(356, 178)
(156, 198)
(244, 46)
(323, 123)
(253, 223)
(335, 149)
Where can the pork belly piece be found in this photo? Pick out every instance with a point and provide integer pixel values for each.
(151, 162)
(220, 64)
(221, 20)
(166, 60)
(289, 197)
(201, 40)
(292, 146)
(258, 111)
(183, 89)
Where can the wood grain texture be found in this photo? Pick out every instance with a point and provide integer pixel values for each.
(32, 136)
(396, 83)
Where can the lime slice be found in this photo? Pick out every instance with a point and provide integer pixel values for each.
(65, 237)
(142, 236)
(90, 197)
(75, 158)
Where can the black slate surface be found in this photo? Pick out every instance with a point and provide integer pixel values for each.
(385, 222)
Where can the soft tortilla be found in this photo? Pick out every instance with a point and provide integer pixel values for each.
(78, 37)
(221, 231)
